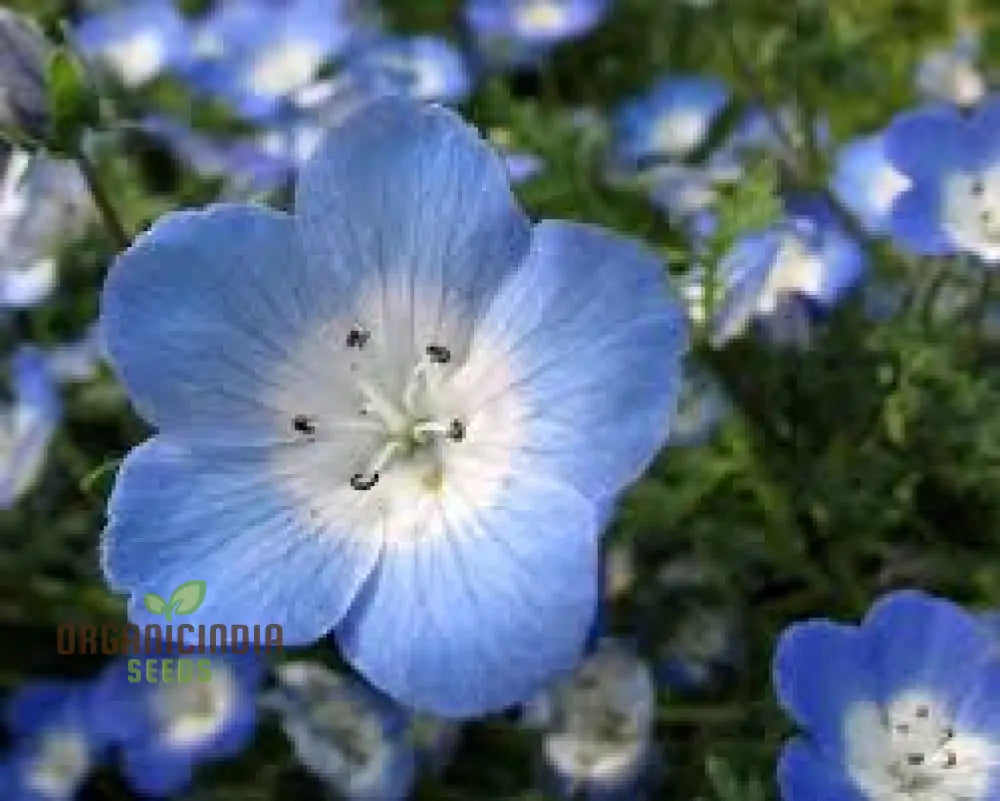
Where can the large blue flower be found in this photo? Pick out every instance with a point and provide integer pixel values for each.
(392, 414)
(902, 707)
(58, 740)
(953, 162)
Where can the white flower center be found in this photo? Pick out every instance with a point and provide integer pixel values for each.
(909, 751)
(679, 131)
(136, 59)
(61, 764)
(971, 211)
(395, 430)
(797, 270)
(542, 16)
(284, 68)
(195, 711)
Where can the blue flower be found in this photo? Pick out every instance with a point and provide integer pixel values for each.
(704, 648)
(353, 739)
(597, 727)
(76, 360)
(518, 31)
(137, 41)
(23, 57)
(57, 741)
(370, 411)
(953, 161)
(902, 706)
(164, 728)
(254, 54)
(951, 75)
(42, 201)
(426, 68)
(866, 182)
(669, 122)
(808, 257)
(27, 424)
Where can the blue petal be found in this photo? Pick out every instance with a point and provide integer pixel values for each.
(595, 344)
(917, 642)
(805, 775)
(984, 134)
(177, 515)
(482, 613)
(741, 277)
(915, 222)
(41, 705)
(198, 310)
(820, 670)
(410, 196)
(927, 142)
(979, 710)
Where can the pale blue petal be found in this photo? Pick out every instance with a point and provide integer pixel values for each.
(199, 310)
(916, 222)
(178, 515)
(594, 342)
(483, 612)
(805, 775)
(926, 143)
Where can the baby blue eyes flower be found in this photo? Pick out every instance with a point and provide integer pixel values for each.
(670, 122)
(900, 708)
(26, 424)
(866, 182)
(421, 67)
(137, 41)
(536, 24)
(354, 740)
(951, 75)
(953, 163)
(597, 726)
(393, 413)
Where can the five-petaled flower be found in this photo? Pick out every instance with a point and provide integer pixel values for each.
(902, 708)
(395, 413)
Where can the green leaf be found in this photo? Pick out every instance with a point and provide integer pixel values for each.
(155, 604)
(73, 105)
(188, 597)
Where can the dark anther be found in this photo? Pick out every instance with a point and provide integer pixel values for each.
(914, 759)
(358, 338)
(456, 430)
(359, 482)
(303, 425)
(923, 712)
(903, 728)
(951, 759)
(439, 354)
(977, 187)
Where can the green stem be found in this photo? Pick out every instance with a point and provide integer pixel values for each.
(102, 200)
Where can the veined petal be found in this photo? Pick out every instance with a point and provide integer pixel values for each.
(421, 222)
(177, 515)
(485, 606)
(592, 345)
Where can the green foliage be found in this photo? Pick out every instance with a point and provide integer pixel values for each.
(73, 103)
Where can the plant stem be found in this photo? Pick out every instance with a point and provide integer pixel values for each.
(102, 200)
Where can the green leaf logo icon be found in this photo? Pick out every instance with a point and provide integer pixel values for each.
(155, 604)
(187, 598)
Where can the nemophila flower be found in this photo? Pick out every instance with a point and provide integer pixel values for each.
(353, 739)
(669, 122)
(901, 708)
(953, 162)
(253, 54)
(866, 182)
(951, 75)
(166, 718)
(394, 414)
(57, 741)
(805, 262)
(78, 359)
(27, 423)
(23, 53)
(137, 41)
(42, 202)
(781, 133)
(426, 68)
(597, 726)
(703, 649)
(521, 165)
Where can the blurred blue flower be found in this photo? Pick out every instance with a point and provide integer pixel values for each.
(779, 133)
(803, 264)
(426, 68)
(704, 648)
(521, 165)
(520, 32)
(137, 41)
(866, 182)
(353, 739)
(670, 122)
(701, 407)
(165, 728)
(597, 727)
(405, 376)
(43, 202)
(952, 75)
(953, 161)
(57, 741)
(902, 706)
(254, 54)
(76, 360)
(27, 424)
(24, 53)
